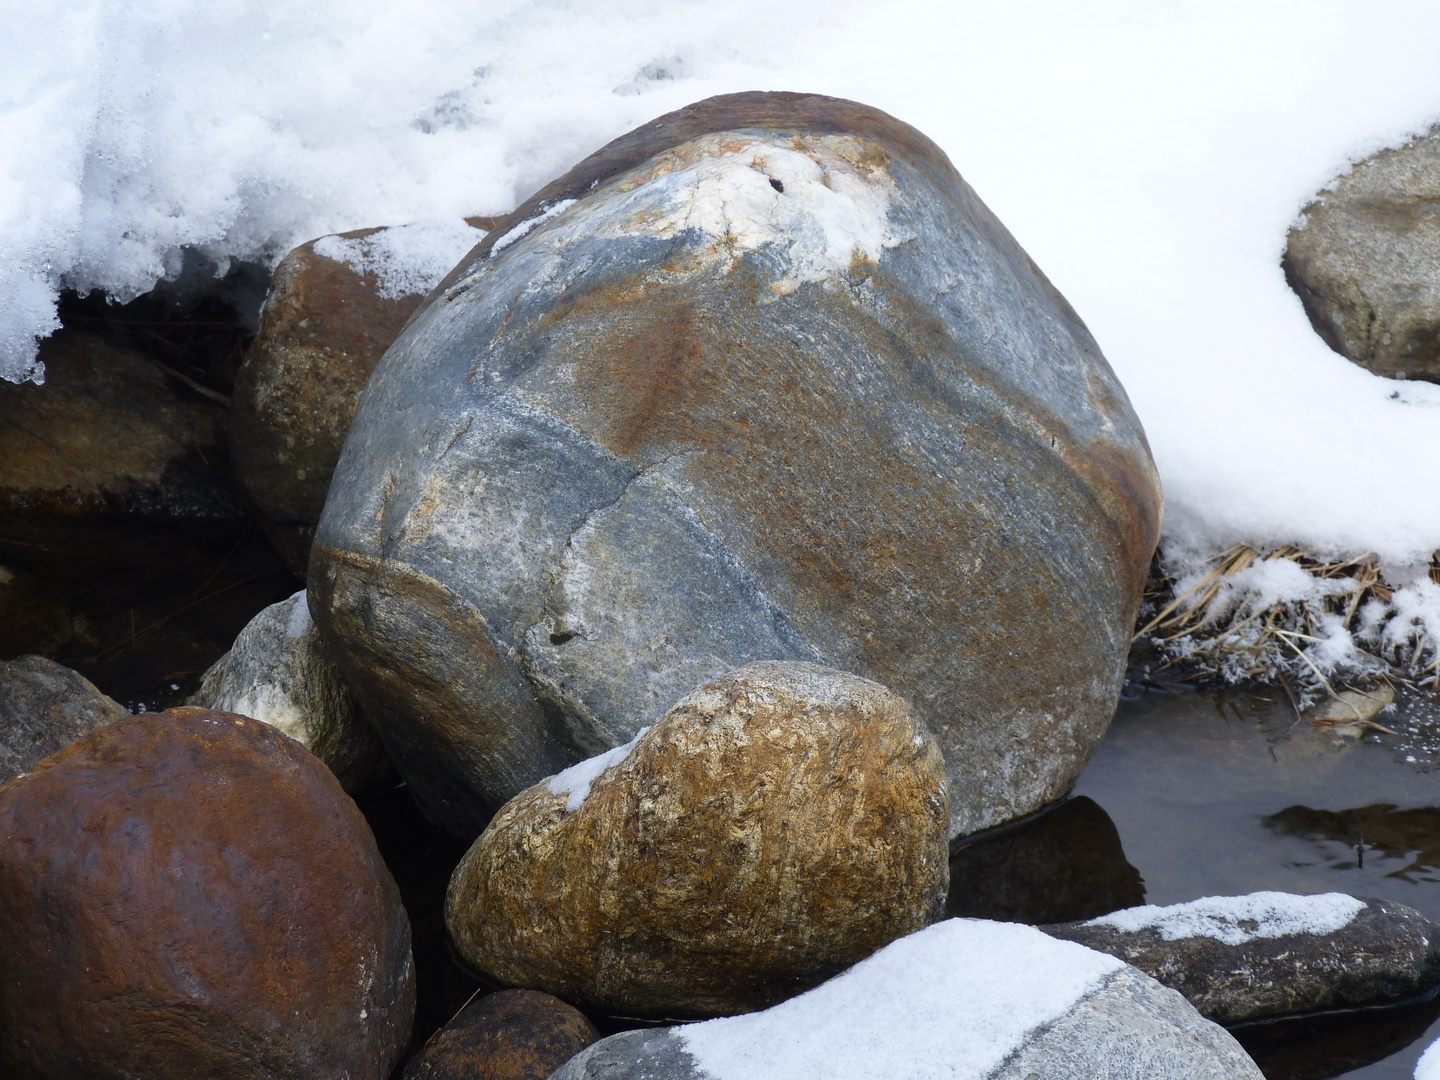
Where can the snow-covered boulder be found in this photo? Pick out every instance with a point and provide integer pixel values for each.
(1266, 954)
(961, 1000)
(761, 380)
(334, 306)
(775, 826)
(1365, 260)
(277, 672)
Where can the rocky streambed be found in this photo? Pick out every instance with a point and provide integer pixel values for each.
(711, 612)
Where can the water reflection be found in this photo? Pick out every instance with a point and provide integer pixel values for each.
(1347, 838)
(1058, 866)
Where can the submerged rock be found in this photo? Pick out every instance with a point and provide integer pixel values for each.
(1239, 958)
(1365, 261)
(773, 828)
(509, 1035)
(763, 379)
(334, 306)
(964, 999)
(190, 894)
(33, 618)
(44, 707)
(110, 435)
(277, 672)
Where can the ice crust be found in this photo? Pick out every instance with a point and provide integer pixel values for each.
(576, 780)
(407, 259)
(896, 1013)
(1238, 919)
(1150, 158)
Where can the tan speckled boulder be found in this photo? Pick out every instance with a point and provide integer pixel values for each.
(773, 828)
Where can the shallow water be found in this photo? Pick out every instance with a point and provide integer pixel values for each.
(1225, 793)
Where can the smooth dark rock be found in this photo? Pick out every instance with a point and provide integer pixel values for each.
(1365, 261)
(44, 707)
(1388, 952)
(509, 1035)
(640, 442)
(323, 329)
(1062, 865)
(774, 827)
(112, 434)
(191, 894)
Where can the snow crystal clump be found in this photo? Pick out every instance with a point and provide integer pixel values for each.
(1238, 919)
(899, 1012)
(406, 259)
(576, 780)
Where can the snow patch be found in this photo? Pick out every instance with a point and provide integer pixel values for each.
(950, 1002)
(1238, 919)
(406, 260)
(529, 225)
(576, 780)
(1428, 1067)
(818, 202)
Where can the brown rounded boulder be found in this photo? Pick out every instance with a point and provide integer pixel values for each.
(190, 894)
(775, 827)
(508, 1035)
(763, 379)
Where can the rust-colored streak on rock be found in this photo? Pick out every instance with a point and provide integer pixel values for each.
(191, 894)
(776, 826)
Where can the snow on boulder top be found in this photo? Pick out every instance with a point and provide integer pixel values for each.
(901, 1006)
(576, 780)
(1150, 158)
(407, 259)
(1238, 919)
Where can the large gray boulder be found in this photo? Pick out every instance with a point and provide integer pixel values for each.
(1365, 261)
(964, 999)
(277, 672)
(761, 380)
(1269, 954)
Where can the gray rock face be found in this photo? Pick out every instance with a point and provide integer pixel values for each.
(1365, 261)
(278, 673)
(762, 380)
(44, 707)
(1386, 952)
(1127, 1027)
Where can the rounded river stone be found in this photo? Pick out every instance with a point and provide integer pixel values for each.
(761, 380)
(508, 1035)
(772, 829)
(190, 894)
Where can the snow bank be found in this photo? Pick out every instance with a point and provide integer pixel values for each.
(1150, 157)
(576, 780)
(1238, 919)
(901, 1006)
(1428, 1067)
(407, 259)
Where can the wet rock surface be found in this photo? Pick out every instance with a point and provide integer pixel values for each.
(1387, 952)
(277, 672)
(323, 329)
(1365, 261)
(44, 707)
(773, 828)
(191, 894)
(1120, 1024)
(111, 434)
(763, 379)
(508, 1035)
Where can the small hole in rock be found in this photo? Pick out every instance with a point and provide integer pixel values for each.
(562, 637)
(776, 184)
